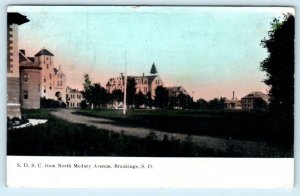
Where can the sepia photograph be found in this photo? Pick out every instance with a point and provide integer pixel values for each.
(150, 81)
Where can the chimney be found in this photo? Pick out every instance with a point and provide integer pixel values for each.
(22, 51)
(143, 74)
(232, 95)
(121, 75)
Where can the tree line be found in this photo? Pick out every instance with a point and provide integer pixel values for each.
(96, 96)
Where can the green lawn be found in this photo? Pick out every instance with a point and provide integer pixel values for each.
(61, 138)
(242, 125)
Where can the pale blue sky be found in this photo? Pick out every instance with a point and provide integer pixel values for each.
(209, 50)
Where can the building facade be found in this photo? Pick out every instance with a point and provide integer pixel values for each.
(255, 100)
(233, 104)
(53, 80)
(30, 82)
(144, 84)
(73, 97)
(13, 76)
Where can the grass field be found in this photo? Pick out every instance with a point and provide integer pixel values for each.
(242, 125)
(61, 138)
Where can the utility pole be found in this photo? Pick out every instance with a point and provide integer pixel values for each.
(125, 86)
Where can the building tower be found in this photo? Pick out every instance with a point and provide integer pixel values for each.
(30, 82)
(153, 70)
(53, 80)
(14, 19)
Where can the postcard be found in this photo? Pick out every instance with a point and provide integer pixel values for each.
(150, 96)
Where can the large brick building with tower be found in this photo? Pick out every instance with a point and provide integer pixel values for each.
(144, 83)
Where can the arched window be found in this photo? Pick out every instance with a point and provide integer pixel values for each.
(25, 94)
(25, 77)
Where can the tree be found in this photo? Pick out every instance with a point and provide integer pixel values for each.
(279, 65)
(201, 104)
(140, 99)
(217, 104)
(280, 68)
(130, 90)
(161, 97)
(117, 95)
(87, 93)
(149, 100)
(99, 95)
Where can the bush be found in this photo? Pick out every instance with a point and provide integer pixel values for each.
(50, 103)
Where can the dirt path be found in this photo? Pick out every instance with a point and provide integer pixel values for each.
(246, 148)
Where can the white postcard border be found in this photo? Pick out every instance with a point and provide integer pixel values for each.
(238, 173)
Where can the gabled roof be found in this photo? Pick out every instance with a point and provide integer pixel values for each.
(16, 18)
(255, 95)
(23, 58)
(44, 52)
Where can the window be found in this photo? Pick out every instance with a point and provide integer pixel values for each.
(44, 79)
(47, 58)
(50, 86)
(50, 76)
(60, 83)
(47, 66)
(25, 77)
(44, 89)
(145, 81)
(57, 83)
(25, 94)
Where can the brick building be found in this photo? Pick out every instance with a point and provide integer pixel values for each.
(144, 83)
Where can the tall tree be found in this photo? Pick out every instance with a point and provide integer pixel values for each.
(161, 97)
(140, 99)
(279, 65)
(117, 95)
(130, 90)
(280, 69)
(99, 95)
(149, 100)
(87, 85)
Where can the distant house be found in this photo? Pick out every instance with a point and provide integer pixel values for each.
(144, 83)
(255, 100)
(174, 91)
(73, 97)
(233, 104)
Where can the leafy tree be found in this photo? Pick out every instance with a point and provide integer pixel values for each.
(87, 93)
(217, 104)
(279, 66)
(117, 95)
(201, 104)
(161, 97)
(260, 104)
(99, 95)
(185, 101)
(140, 99)
(280, 69)
(149, 100)
(130, 90)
